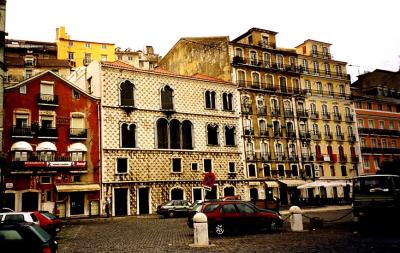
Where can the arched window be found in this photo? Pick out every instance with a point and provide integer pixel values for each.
(212, 134)
(227, 101)
(230, 136)
(239, 52)
(167, 102)
(318, 153)
(341, 90)
(255, 80)
(175, 134)
(276, 126)
(330, 150)
(325, 110)
(263, 127)
(187, 141)
(210, 99)
(282, 83)
(315, 129)
(127, 94)
(313, 108)
(241, 78)
(341, 152)
(128, 135)
(162, 133)
(338, 130)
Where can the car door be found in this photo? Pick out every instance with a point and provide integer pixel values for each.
(248, 217)
(230, 216)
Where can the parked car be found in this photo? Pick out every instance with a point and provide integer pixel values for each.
(22, 237)
(174, 208)
(45, 220)
(6, 210)
(230, 215)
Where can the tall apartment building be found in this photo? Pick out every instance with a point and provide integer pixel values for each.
(326, 87)
(377, 103)
(51, 137)
(161, 133)
(81, 53)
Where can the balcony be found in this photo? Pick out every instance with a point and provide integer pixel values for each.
(265, 156)
(293, 158)
(330, 94)
(349, 118)
(279, 156)
(246, 109)
(47, 99)
(271, 65)
(316, 136)
(302, 114)
(326, 116)
(288, 113)
(48, 132)
(248, 130)
(377, 131)
(291, 134)
(250, 155)
(328, 136)
(275, 111)
(314, 115)
(21, 132)
(320, 54)
(337, 117)
(264, 133)
(277, 133)
(340, 137)
(262, 110)
(307, 157)
(77, 133)
(351, 138)
(305, 135)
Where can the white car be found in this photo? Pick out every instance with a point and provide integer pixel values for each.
(19, 217)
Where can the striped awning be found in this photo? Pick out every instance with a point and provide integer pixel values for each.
(292, 182)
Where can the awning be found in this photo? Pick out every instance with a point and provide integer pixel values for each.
(77, 147)
(292, 182)
(46, 146)
(21, 146)
(77, 187)
(325, 183)
(272, 184)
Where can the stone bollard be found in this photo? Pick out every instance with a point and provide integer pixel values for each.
(200, 231)
(296, 220)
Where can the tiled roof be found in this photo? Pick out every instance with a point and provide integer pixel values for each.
(118, 64)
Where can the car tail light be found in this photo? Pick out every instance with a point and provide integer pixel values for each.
(46, 250)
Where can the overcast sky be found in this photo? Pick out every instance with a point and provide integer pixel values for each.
(363, 33)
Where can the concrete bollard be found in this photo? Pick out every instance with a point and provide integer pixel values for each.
(296, 219)
(200, 230)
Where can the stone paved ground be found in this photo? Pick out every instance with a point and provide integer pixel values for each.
(154, 234)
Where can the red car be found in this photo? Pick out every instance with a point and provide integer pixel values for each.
(233, 215)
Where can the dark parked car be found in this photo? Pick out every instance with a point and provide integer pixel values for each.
(230, 215)
(25, 237)
(174, 208)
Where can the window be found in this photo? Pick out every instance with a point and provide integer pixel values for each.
(319, 88)
(295, 170)
(330, 89)
(339, 70)
(104, 46)
(282, 83)
(75, 94)
(227, 101)
(376, 163)
(374, 143)
(45, 180)
(389, 108)
(384, 143)
(325, 52)
(212, 134)
(127, 93)
(187, 138)
(241, 78)
(369, 105)
(342, 92)
(231, 167)
(252, 170)
(122, 165)
(267, 170)
(314, 50)
(103, 57)
(22, 89)
(305, 66)
(253, 58)
(270, 81)
(78, 125)
(87, 44)
(360, 123)
(239, 52)
(371, 123)
(332, 169)
(76, 178)
(128, 135)
(327, 69)
(21, 120)
(71, 56)
(167, 98)
(88, 58)
(316, 68)
(264, 41)
(173, 134)
(263, 127)
(250, 40)
(28, 73)
(267, 59)
(194, 166)
(359, 104)
(77, 156)
(210, 99)
(391, 125)
(380, 107)
(336, 111)
(281, 170)
(70, 43)
(279, 61)
(366, 163)
(20, 156)
(381, 124)
(176, 165)
(296, 85)
(229, 135)
(207, 166)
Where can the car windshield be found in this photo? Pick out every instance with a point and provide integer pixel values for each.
(49, 216)
(43, 235)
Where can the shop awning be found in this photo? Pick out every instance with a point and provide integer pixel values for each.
(325, 183)
(272, 184)
(292, 182)
(77, 187)
(46, 146)
(21, 146)
(77, 147)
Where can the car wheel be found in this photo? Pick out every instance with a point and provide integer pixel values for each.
(219, 229)
(171, 214)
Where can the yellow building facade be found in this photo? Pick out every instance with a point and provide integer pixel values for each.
(81, 53)
(331, 124)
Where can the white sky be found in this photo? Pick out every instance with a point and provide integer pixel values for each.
(364, 33)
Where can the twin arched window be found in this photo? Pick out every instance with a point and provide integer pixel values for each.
(174, 134)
